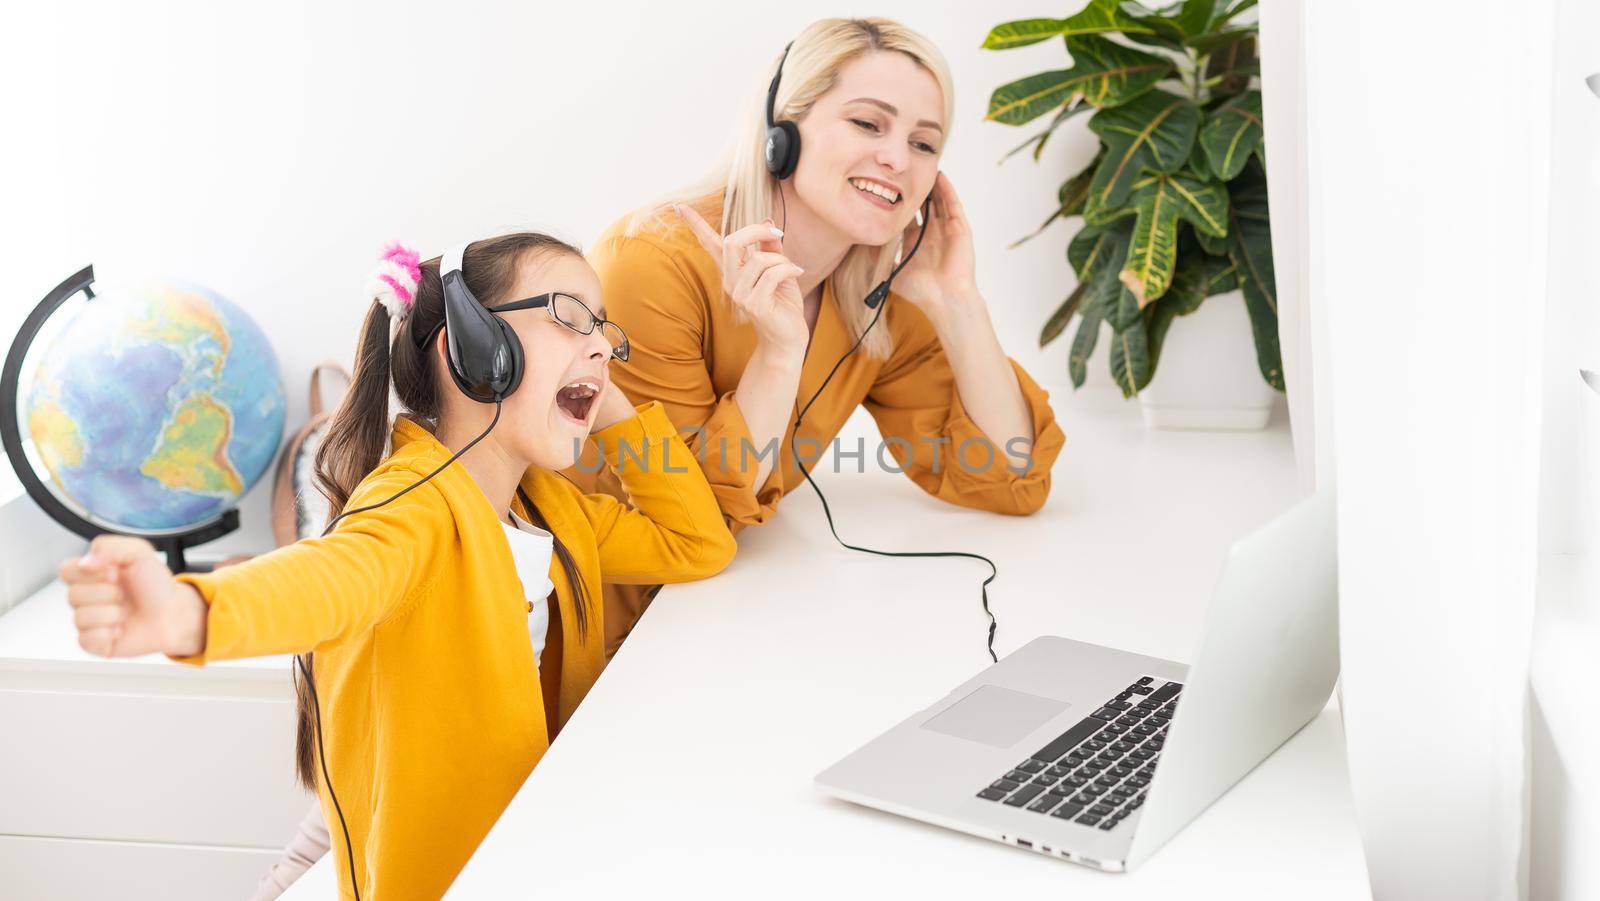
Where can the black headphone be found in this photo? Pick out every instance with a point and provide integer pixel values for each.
(782, 155)
(486, 360)
(782, 151)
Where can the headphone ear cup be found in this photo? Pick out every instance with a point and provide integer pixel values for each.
(513, 346)
(783, 149)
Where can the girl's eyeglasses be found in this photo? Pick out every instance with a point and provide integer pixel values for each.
(570, 312)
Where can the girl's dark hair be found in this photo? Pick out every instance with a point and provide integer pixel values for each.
(354, 441)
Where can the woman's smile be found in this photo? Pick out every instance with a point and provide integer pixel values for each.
(881, 194)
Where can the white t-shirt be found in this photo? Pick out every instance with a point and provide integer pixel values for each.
(531, 548)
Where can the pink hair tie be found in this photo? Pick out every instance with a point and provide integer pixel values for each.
(394, 280)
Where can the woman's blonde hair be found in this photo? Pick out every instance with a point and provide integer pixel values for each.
(742, 184)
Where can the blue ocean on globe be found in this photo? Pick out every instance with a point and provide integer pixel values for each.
(157, 407)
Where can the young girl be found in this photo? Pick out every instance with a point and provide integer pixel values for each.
(438, 673)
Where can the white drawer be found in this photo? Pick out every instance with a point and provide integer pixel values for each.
(197, 757)
(59, 869)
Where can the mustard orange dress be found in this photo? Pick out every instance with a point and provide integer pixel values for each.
(688, 353)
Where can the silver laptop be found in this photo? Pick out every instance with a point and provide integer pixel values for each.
(1099, 756)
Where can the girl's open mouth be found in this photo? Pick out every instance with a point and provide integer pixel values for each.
(577, 398)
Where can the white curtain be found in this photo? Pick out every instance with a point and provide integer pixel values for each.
(1409, 151)
(1565, 739)
(1302, 326)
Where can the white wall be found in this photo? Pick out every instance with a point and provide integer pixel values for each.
(266, 150)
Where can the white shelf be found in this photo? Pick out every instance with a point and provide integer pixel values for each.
(166, 780)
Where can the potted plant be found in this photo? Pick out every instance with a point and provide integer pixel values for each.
(1174, 205)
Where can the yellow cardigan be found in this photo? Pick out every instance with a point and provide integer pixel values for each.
(432, 709)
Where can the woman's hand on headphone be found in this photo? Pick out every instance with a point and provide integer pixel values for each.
(941, 276)
(125, 601)
(763, 283)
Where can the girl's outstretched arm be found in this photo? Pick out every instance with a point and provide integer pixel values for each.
(297, 598)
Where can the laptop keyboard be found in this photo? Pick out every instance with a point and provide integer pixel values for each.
(1097, 772)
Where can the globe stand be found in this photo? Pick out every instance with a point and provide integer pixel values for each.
(11, 439)
(175, 545)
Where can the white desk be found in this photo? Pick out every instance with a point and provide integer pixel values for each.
(689, 766)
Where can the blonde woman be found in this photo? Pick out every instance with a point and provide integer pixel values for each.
(743, 292)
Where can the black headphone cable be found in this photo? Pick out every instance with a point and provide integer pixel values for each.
(881, 293)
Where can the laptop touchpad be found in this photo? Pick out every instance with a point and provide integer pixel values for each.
(995, 716)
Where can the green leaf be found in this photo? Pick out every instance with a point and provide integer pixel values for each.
(1097, 17)
(1222, 274)
(1236, 9)
(1157, 322)
(1194, 17)
(1130, 359)
(1196, 162)
(1164, 31)
(1229, 67)
(1097, 255)
(1022, 33)
(1264, 323)
(1069, 198)
(1155, 131)
(1036, 232)
(1250, 246)
(1103, 73)
(1038, 140)
(1172, 28)
(1020, 102)
(1103, 16)
(1156, 39)
(1207, 44)
(1188, 285)
(1235, 80)
(1250, 234)
(1094, 213)
(1231, 134)
(1160, 201)
(1116, 303)
(1075, 190)
(1113, 74)
(1083, 346)
(1031, 139)
(1057, 323)
(1094, 249)
(1217, 247)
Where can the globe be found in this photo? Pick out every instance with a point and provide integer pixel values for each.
(155, 408)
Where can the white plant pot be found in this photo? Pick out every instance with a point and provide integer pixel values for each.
(1207, 376)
